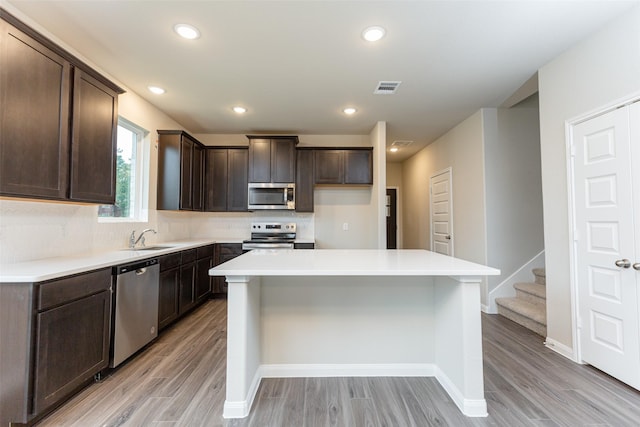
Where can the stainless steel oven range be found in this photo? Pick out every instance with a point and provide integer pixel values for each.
(271, 235)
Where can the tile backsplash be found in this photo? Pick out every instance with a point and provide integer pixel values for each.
(31, 230)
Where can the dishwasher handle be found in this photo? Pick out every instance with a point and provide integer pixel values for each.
(138, 267)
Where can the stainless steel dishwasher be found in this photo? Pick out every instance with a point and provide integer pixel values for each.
(136, 308)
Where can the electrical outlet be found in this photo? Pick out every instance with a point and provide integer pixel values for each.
(345, 226)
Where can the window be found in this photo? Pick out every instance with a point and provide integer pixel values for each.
(130, 168)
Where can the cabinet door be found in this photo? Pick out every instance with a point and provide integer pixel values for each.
(260, 160)
(169, 176)
(223, 253)
(168, 298)
(35, 84)
(283, 160)
(216, 179)
(187, 281)
(329, 167)
(304, 181)
(186, 158)
(203, 280)
(358, 167)
(237, 187)
(197, 172)
(72, 345)
(93, 140)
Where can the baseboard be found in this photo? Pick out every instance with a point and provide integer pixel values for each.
(469, 407)
(506, 290)
(348, 370)
(240, 409)
(561, 349)
(485, 309)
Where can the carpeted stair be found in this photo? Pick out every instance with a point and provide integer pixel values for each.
(529, 307)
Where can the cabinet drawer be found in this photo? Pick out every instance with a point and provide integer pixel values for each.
(189, 256)
(169, 261)
(71, 288)
(205, 252)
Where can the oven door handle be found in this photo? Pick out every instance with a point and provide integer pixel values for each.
(246, 246)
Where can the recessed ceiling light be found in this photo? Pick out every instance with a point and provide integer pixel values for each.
(393, 149)
(349, 111)
(372, 34)
(187, 31)
(156, 89)
(240, 110)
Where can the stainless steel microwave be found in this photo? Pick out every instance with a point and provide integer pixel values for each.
(271, 196)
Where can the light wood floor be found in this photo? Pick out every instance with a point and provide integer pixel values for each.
(180, 381)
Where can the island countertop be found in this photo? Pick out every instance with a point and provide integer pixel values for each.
(349, 262)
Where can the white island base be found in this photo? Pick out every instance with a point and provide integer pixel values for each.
(327, 313)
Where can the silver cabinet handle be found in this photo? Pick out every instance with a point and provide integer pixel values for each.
(636, 266)
(624, 263)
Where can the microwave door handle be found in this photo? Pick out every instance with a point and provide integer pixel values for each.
(285, 196)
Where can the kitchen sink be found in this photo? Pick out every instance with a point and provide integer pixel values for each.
(149, 248)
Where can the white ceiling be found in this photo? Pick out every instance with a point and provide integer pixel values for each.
(296, 64)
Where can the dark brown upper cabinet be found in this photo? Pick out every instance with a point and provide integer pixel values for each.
(272, 158)
(58, 121)
(349, 166)
(305, 181)
(226, 179)
(180, 171)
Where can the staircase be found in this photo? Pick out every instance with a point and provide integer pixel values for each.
(529, 307)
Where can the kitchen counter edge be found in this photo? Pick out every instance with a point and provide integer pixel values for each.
(54, 268)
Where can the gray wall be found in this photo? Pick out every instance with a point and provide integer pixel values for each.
(593, 74)
(513, 188)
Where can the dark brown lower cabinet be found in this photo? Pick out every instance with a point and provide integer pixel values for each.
(223, 253)
(203, 280)
(168, 310)
(72, 345)
(187, 294)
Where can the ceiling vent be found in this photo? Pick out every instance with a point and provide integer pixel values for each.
(401, 144)
(386, 88)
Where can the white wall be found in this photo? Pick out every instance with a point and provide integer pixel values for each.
(513, 189)
(595, 73)
(462, 149)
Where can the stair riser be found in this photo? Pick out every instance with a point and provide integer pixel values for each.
(534, 299)
(541, 276)
(524, 321)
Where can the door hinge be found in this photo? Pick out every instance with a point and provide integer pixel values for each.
(579, 321)
(573, 150)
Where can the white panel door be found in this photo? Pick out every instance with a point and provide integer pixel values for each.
(441, 213)
(606, 238)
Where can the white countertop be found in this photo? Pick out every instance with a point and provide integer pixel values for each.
(53, 268)
(349, 262)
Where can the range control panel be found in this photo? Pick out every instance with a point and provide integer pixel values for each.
(273, 227)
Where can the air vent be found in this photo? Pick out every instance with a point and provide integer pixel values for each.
(401, 143)
(386, 88)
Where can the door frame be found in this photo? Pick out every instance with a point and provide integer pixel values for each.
(573, 256)
(440, 172)
(398, 214)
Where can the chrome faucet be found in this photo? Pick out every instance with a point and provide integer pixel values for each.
(132, 239)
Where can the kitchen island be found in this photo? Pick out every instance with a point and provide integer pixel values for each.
(322, 313)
